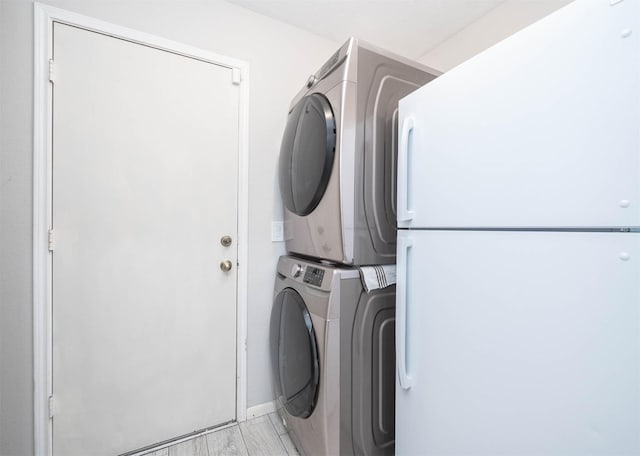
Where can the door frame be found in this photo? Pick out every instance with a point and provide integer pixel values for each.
(44, 17)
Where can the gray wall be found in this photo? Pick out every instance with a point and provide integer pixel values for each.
(281, 58)
(15, 228)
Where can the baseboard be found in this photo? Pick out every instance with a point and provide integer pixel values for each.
(261, 409)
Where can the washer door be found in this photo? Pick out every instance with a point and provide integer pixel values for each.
(294, 354)
(307, 153)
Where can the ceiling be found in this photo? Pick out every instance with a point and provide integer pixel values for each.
(408, 27)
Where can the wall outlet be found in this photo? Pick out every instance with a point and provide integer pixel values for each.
(277, 231)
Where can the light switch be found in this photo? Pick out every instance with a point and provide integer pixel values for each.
(277, 231)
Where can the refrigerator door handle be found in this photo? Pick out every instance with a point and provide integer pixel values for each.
(404, 244)
(404, 214)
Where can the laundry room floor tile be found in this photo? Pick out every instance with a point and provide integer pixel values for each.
(162, 452)
(277, 423)
(227, 441)
(288, 444)
(193, 447)
(261, 436)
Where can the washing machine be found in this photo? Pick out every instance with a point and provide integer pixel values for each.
(333, 359)
(337, 166)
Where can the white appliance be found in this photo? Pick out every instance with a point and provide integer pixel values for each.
(518, 299)
(337, 168)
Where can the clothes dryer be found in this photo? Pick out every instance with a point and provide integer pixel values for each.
(333, 359)
(337, 166)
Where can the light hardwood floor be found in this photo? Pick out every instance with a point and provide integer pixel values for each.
(261, 436)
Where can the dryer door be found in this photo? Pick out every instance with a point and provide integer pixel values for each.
(294, 354)
(307, 152)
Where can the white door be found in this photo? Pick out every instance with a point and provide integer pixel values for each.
(541, 130)
(519, 343)
(145, 146)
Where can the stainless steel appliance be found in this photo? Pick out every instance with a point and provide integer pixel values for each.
(338, 156)
(333, 359)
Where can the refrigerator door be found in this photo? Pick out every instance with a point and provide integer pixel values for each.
(541, 130)
(518, 343)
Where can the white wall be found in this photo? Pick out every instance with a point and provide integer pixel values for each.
(498, 24)
(281, 58)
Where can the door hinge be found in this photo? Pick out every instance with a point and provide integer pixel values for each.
(50, 240)
(52, 71)
(236, 76)
(52, 406)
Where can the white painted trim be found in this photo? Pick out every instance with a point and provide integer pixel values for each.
(41, 221)
(44, 17)
(261, 409)
(243, 239)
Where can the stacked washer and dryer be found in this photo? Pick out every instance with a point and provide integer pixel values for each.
(333, 342)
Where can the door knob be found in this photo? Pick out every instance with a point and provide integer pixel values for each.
(226, 265)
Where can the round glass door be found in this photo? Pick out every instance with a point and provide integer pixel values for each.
(306, 154)
(294, 354)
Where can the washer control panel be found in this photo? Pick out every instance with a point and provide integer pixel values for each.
(313, 276)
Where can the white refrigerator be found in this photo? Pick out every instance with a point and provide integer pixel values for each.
(518, 298)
